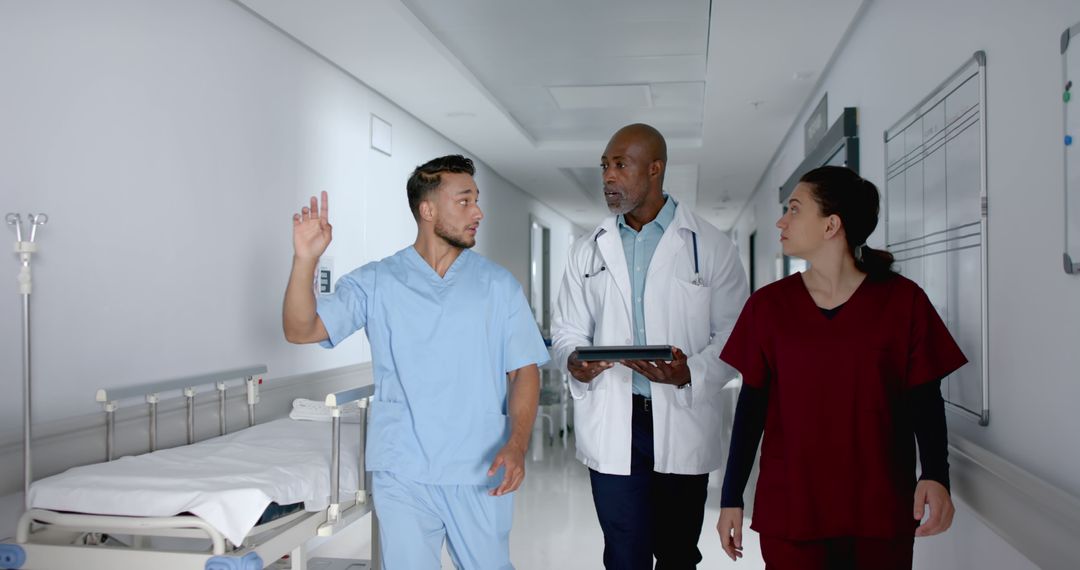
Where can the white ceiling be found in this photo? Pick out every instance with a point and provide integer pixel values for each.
(535, 88)
(620, 60)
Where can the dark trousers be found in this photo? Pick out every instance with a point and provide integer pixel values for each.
(846, 553)
(648, 514)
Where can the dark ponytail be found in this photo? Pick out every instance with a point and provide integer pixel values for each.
(840, 191)
(876, 263)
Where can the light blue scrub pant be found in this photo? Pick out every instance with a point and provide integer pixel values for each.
(415, 518)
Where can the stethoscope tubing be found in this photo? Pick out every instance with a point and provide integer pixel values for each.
(596, 248)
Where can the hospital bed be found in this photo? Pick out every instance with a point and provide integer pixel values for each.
(234, 502)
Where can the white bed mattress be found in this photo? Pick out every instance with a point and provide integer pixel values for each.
(228, 481)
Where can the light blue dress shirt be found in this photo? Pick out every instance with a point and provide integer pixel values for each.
(440, 351)
(639, 248)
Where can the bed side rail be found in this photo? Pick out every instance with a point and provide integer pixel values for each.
(187, 387)
(337, 402)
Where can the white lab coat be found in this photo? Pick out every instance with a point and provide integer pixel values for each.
(597, 310)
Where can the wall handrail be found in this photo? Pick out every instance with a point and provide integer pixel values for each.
(1038, 519)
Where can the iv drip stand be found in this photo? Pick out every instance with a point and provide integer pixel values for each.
(25, 249)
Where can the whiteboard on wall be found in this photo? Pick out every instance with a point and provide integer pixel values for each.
(1070, 66)
(936, 216)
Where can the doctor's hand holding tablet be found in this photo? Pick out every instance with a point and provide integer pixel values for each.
(661, 364)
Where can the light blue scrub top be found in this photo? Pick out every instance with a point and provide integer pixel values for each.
(639, 248)
(440, 351)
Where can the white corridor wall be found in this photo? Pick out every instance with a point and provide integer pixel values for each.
(170, 143)
(897, 52)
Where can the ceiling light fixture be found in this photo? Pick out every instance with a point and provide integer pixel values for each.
(633, 96)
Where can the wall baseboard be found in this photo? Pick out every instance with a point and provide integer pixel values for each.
(63, 444)
(1038, 519)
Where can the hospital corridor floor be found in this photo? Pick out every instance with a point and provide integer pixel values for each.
(555, 525)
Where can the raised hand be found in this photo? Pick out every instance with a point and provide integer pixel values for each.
(312, 231)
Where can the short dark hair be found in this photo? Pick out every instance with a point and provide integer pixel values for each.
(839, 190)
(426, 178)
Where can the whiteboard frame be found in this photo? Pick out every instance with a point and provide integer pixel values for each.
(1071, 263)
(978, 61)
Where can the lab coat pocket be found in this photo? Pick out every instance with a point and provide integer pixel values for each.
(690, 311)
(590, 421)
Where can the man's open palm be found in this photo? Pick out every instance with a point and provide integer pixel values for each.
(312, 231)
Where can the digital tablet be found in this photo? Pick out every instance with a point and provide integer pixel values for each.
(616, 353)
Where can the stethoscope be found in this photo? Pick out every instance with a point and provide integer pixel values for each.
(596, 248)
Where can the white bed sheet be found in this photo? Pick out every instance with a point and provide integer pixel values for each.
(228, 481)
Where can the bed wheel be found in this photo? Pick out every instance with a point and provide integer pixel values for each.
(250, 561)
(12, 556)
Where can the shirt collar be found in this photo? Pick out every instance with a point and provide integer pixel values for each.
(663, 218)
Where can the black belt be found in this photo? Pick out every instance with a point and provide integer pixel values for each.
(641, 403)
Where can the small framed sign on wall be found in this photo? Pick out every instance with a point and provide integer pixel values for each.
(817, 125)
(382, 135)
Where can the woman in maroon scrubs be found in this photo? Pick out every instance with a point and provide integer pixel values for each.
(841, 370)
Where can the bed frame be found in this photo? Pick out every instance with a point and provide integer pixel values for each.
(54, 540)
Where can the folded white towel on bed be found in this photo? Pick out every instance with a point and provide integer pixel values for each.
(314, 411)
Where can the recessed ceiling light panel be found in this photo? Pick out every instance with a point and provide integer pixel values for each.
(602, 96)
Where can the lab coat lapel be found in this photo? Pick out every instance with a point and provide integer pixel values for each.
(611, 249)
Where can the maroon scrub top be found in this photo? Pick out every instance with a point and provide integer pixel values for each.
(838, 453)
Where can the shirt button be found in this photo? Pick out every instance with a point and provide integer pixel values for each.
(639, 299)
(638, 268)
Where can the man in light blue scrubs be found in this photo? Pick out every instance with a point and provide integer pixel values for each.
(455, 352)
